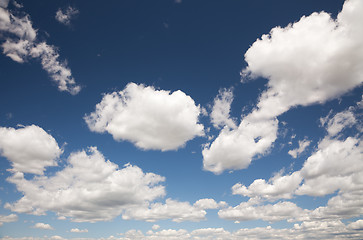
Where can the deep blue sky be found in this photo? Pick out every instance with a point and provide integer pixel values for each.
(197, 47)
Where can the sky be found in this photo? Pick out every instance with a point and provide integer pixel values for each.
(180, 119)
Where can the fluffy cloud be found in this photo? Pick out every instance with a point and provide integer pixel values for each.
(149, 118)
(88, 189)
(302, 146)
(221, 108)
(65, 16)
(8, 218)
(278, 187)
(43, 226)
(29, 149)
(172, 209)
(306, 230)
(357, 225)
(253, 211)
(284, 57)
(76, 230)
(235, 149)
(21, 44)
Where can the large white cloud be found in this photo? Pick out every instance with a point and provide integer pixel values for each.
(149, 118)
(88, 189)
(21, 43)
(311, 61)
(29, 149)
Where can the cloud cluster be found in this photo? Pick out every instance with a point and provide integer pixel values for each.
(65, 16)
(88, 189)
(335, 166)
(20, 44)
(315, 230)
(303, 65)
(76, 230)
(29, 149)
(172, 209)
(149, 118)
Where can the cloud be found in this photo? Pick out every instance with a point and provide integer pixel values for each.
(340, 121)
(21, 43)
(87, 189)
(149, 118)
(251, 210)
(43, 226)
(235, 149)
(8, 218)
(29, 149)
(172, 209)
(208, 203)
(278, 187)
(65, 16)
(357, 225)
(302, 146)
(221, 108)
(302, 63)
(76, 230)
(155, 227)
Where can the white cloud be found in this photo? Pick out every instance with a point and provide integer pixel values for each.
(76, 230)
(339, 122)
(88, 189)
(284, 57)
(235, 149)
(8, 218)
(172, 209)
(357, 225)
(155, 227)
(253, 211)
(149, 118)
(302, 146)
(21, 44)
(65, 16)
(278, 187)
(29, 149)
(43, 226)
(208, 203)
(221, 108)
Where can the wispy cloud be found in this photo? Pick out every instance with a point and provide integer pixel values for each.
(65, 16)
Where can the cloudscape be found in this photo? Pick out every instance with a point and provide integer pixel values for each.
(181, 119)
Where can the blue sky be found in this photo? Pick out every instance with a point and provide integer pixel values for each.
(181, 119)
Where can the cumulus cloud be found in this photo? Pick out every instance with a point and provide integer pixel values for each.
(303, 144)
(8, 218)
(357, 225)
(21, 43)
(76, 230)
(88, 189)
(278, 187)
(172, 209)
(221, 108)
(43, 226)
(284, 57)
(29, 149)
(65, 16)
(149, 118)
(155, 227)
(252, 210)
(235, 149)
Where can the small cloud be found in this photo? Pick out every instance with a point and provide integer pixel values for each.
(178, 1)
(43, 226)
(76, 230)
(65, 16)
(155, 227)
